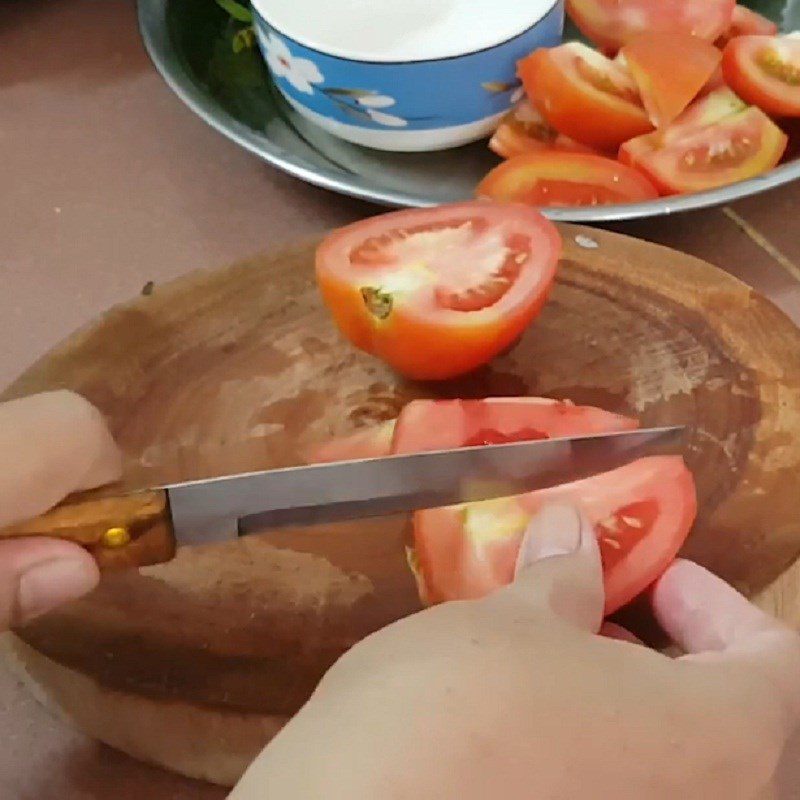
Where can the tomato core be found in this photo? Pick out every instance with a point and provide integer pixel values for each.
(771, 61)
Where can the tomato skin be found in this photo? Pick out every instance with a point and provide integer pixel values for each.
(670, 69)
(565, 179)
(557, 82)
(419, 338)
(445, 424)
(612, 23)
(454, 563)
(710, 145)
(524, 130)
(750, 68)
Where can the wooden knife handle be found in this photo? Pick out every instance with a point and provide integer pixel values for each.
(133, 530)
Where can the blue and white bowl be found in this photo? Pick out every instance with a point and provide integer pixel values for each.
(421, 93)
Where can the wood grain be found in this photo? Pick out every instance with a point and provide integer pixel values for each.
(240, 369)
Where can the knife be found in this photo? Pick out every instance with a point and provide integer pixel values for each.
(144, 527)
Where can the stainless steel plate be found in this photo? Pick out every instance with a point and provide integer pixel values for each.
(190, 42)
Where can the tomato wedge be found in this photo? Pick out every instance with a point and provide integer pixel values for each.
(612, 23)
(584, 95)
(565, 179)
(445, 424)
(716, 142)
(642, 514)
(746, 22)
(765, 71)
(524, 130)
(670, 69)
(438, 292)
(374, 441)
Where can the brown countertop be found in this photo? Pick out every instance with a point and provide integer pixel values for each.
(110, 182)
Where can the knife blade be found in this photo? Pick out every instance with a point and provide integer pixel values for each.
(144, 527)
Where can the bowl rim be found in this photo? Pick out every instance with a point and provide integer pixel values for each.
(375, 58)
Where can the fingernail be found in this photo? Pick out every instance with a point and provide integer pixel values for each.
(48, 584)
(554, 531)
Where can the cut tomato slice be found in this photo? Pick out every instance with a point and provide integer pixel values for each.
(565, 179)
(670, 70)
(445, 424)
(765, 71)
(708, 146)
(524, 130)
(374, 441)
(438, 292)
(584, 95)
(642, 514)
(746, 22)
(612, 23)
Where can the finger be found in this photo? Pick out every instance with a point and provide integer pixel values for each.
(51, 445)
(37, 575)
(559, 569)
(713, 623)
(613, 631)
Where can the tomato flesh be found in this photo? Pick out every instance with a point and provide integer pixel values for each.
(642, 514)
(524, 130)
(439, 292)
(584, 95)
(710, 145)
(746, 22)
(612, 23)
(765, 71)
(565, 179)
(445, 424)
(374, 441)
(670, 69)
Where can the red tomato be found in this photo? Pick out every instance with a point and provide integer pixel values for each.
(565, 179)
(524, 130)
(444, 424)
(642, 514)
(374, 441)
(765, 71)
(709, 145)
(670, 69)
(746, 22)
(612, 23)
(438, 292)
(584, 95)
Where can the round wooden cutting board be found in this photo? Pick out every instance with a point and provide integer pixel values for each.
(241, 368)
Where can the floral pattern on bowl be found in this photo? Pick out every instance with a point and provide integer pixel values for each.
(465, 93)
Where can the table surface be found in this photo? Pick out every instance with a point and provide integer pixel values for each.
(110, 182)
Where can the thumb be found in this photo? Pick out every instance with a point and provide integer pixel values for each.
(559, 569)
(36, 575)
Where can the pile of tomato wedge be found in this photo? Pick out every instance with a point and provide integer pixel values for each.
(680, 96)
(642, 513)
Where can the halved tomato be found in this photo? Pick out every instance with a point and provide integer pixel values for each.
(642, 514)
(612, 23)
(708, 146)
(670, 69)
(746, 22)
(765, 71)
(374, 441)
(445, 424)
(438, 292)
(524, 130)
(565, 179)
(584, 95)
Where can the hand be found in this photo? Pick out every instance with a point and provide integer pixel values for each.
(50, 446)
(517, 697)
